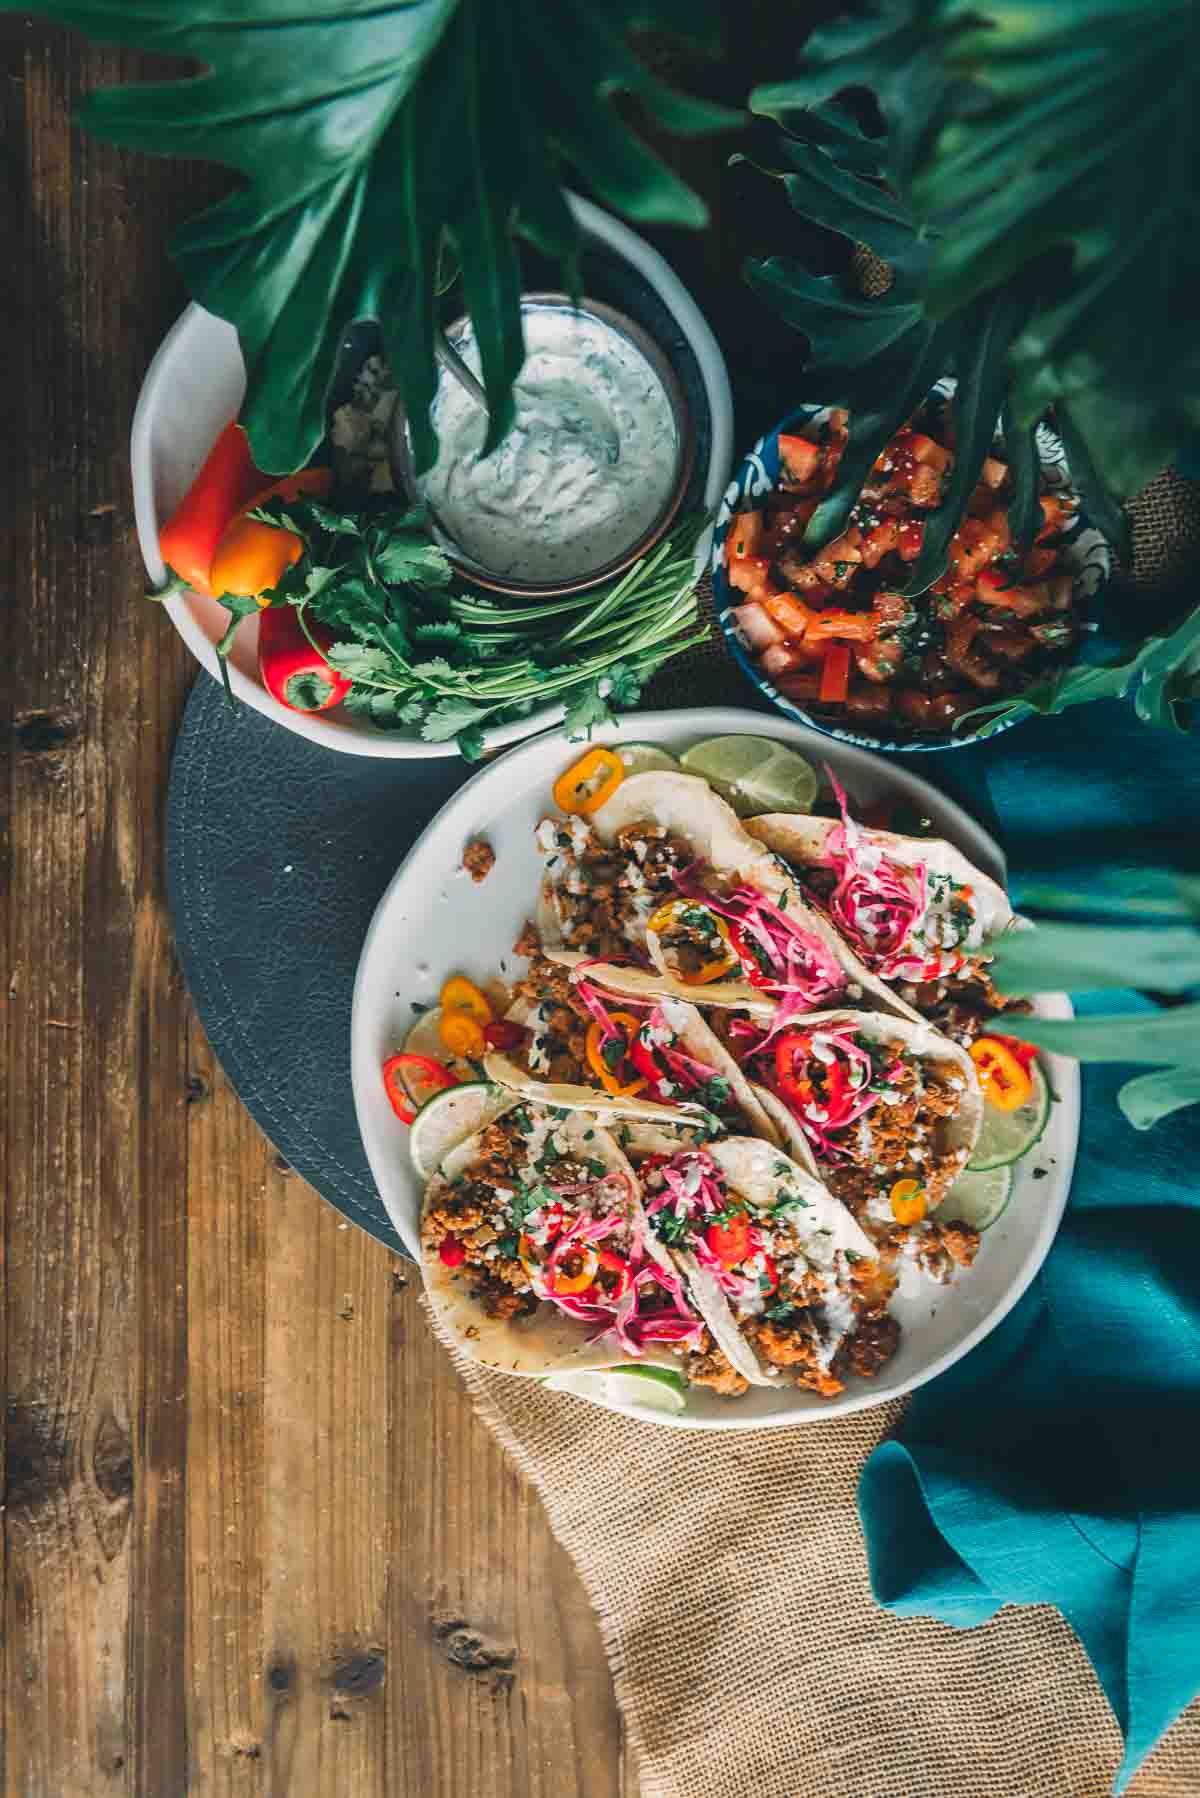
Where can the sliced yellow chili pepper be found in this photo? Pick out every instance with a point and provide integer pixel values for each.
(670, 914)
(594, 778)
(1006, 1084)
(461, 994)
(595, 1056)
(462, 1034)
(907, 1199)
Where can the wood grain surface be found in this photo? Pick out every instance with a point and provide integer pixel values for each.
(255, 1541)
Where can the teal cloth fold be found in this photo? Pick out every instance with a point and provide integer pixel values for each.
(1059, 1462)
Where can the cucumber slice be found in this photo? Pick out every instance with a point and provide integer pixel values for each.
(449, 1117)
(647, 1388)
(642, 758)
(1007, 1135)
(977, 1199)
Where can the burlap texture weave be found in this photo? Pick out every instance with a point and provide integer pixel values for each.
(750, 1661)
(729, 1574)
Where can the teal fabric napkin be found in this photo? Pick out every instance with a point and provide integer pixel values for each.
(1059, 1462)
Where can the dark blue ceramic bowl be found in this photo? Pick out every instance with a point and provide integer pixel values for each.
(1085, 552)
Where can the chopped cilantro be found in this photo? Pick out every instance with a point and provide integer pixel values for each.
(595, 1168)
(669, 1227)
(779, 1313)
(508, 1245)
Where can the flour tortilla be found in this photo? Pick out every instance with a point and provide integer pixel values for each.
(546, 1341)
(694, 1036)
(801, 841)
(687, 808)
(955, 1135)
(763, 1177)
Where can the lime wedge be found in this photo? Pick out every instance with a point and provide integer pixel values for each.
(754, 774)
(1007, 1135)
(449, 1117)
(646, 1388)
(976, 1199)
(643, 758)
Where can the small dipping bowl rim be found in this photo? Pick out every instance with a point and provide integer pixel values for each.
(403, 472)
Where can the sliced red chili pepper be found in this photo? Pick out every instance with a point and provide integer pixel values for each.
(500, 1034)
(452, 1250)
(613, 1264)
(730, 1242)
(432, 1073)
(748, 953)
(1025, 1053)
(793, 1059)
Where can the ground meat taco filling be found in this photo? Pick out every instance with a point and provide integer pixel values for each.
(812, 1313)
(873, 1113)
(533, 1219)
(582, 1035)
(603, 896)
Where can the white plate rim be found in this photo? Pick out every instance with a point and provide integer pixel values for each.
(187, 336)
(455, 819)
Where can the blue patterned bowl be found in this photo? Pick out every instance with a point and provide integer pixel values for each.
(1086, 553)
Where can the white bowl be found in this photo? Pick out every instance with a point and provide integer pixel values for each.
(433, 921)
(195, 385)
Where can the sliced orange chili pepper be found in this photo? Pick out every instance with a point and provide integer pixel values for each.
(907, 1199)
(461, 994)
(608, 1077)
(594, 778)
(672, 913)
(1006, 1084)
(564, 1284)
(462, 1034)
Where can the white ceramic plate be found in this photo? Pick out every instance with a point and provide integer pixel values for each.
(195, 385)
(433, 921)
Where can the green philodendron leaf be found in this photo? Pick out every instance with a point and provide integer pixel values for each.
(1170, 1035)
(1092, 957)
(367, 134)
(1151, 1097)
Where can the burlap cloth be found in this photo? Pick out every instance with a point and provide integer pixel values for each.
(729, 1575)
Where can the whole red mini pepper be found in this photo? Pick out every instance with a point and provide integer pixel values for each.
(292, 671)
(227, 482)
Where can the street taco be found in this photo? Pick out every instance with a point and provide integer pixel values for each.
(788, 1282)
(664, 890)
(537, 1257)
(915, 911)
(884, 1112)
(582, 1047)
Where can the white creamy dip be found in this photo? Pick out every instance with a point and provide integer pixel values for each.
(586, 469)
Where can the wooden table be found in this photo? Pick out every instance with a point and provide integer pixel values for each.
(256, 1540)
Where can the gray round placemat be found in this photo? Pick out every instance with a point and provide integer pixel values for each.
(277, 854)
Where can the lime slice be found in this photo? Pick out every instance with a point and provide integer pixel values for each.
(976, 1199)
(646, 1388)
(449, 1118)
(643, 758)
(754, 774)
(1007, 1135)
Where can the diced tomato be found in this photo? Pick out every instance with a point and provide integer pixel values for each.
(744, 537)
(879, 542)
(730, 1242)
(854, 627)
(924, 450)
(911, 536)
(782, 658)
(925, 487)
(800, 458)
(751, 575)
(835, 673)
(757, 628)
(789, 612)
(1055, 513)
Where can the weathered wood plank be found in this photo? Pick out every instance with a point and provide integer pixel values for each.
(502, 1685)
(327, 1682)
(94, 1134)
